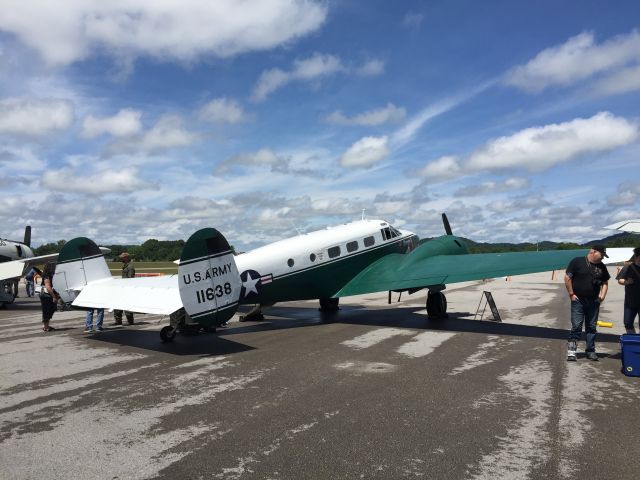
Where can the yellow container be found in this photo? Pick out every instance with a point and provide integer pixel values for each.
(602, 323)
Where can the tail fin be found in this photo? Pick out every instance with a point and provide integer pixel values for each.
(208, 278)
(80, 261)
(27, 235)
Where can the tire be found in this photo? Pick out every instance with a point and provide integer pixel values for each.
(436, 305)
(329, 304)
(167, 334)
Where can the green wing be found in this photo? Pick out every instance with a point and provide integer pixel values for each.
(398, 272)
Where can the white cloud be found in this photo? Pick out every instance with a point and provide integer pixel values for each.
(489, 187)
(263, 157)
(371, 68)
(175, 30)
(622, 81)
(577, 59)
(107, 181)
(443, 168)
(222, 110)
(167, 133)
(316, 66)
(365, 152)
(35, 117)
(16, 160)
(125, 123)
(388, 114)
(538, 148)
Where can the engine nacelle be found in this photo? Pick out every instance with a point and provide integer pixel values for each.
(208, 278)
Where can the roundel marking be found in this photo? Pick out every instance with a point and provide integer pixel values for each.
(251, 284)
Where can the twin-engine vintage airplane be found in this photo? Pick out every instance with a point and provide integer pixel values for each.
(15, 258)
(355, 258)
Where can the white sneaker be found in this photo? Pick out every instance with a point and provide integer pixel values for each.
(88, 330)
(571, 351)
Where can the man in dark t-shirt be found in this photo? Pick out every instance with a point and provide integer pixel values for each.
(629, 276)
(586, 280)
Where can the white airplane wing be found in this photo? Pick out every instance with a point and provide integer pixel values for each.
(159, 295)
(632, 226)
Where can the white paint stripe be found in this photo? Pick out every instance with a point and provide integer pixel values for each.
(374, 337)
(424, 343)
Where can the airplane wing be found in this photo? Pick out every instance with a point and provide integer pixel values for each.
(15, 268)
(632, 226)
(159, 295)
(391, 273)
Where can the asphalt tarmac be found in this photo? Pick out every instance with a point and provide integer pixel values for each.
(378, 391)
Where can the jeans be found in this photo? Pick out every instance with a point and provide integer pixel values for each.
(30, 288)
(630, 313)
(584, 311)
(88, 321)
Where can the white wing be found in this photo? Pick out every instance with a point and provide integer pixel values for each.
(618, 255)
(632, 226)
(159, 295)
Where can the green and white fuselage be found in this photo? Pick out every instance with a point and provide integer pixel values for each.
(317, 264)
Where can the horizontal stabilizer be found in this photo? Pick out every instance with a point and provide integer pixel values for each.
(158, 295)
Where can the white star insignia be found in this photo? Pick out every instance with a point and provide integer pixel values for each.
(250, 285)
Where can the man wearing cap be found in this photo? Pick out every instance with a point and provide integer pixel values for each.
(128, 271)
(586, 281)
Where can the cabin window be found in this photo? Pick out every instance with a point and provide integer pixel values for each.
(334, 252)
(352, 246)
(19, 249)
(290, 262)
(369, 241)
(312, 257)
(386, 233)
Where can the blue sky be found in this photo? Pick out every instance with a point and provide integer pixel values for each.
(134, 120)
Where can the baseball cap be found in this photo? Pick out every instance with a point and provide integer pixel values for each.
(600, 248)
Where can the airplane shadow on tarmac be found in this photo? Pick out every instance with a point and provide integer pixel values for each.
(288, 317)
(456, 322)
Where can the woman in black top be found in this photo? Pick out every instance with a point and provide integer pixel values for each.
(48, 296)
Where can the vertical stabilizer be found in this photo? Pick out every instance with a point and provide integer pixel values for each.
(208, 278)
(80, 262)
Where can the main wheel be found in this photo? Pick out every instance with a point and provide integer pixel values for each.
(168, 333)
(329, 304)
(436, 305)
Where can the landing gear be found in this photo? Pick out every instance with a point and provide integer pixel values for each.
(168, 333)
(253, 315)
(436, 305)
(181, 322)
(329, 305)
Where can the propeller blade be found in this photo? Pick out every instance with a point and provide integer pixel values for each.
(447, 227)
(27, 235)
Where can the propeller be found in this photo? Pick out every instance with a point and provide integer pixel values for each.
(27, 235)
(447, 227)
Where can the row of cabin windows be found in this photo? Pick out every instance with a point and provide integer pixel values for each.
(387, 234)
(334, 252)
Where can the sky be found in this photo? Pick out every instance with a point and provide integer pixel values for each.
(128, 120)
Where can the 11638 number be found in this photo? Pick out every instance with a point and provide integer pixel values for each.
(210, 293)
